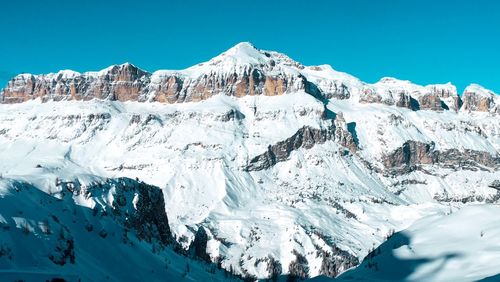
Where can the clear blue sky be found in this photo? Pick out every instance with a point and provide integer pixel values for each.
(426, 41)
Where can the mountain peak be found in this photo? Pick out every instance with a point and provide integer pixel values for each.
(478, 89)
(242, 56)
(67, 74)
(242, 47)
(393, 80)
(243, 53)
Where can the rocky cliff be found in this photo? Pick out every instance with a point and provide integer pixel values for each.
(240, 71)
(412, 154)
(279, 168)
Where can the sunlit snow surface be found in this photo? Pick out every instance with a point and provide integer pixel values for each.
(196, 153)
(461, 246)
(197, 159)
(31, 226)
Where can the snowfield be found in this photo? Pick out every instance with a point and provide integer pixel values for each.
(461, 246)
(45, 236)
(317, 211)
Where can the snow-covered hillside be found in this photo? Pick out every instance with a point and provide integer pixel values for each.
(284, 169)
(108, 230)
(461, 246)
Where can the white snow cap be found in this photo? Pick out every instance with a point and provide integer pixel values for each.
(393, 80)
(67, 74)
(242, 56)
(478, 89)
(24, 76)
(243, 53)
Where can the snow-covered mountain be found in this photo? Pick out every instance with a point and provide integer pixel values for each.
(279, 168)
(95, 231)
(437, 248)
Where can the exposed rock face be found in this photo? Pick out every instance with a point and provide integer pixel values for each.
(139, 205)
(150, 219)
(249, 82)
(129, 83)
(336, 262)
(446, 95)
(401, 93)
(473, 102)
(403, 100)
(345, 134)
(123, 83)
(369, 96)
(334, 89)
(399, 98)
(298, 268)
(199, 245)
(477, 98)
(389, 91)
(411, 154)
(274, 268)
(431, 102)
(241, 71)
(306, 137)
(64, 250)
(495, 184)
(20, 89)
(168, 89)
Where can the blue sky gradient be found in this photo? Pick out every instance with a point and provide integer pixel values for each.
(423, 41)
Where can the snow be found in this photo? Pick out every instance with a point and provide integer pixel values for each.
(388, 86)
(462, 246)
(479, 90)
(327, 72)
(196, 159)
(448, 87)
(242, 53)
(25, 75)
(240, 58)
(196, 153)
(32, 222)
(67, 74)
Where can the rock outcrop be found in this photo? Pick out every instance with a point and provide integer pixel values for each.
(198, 247)
(412, 154)
(306, 138)
(409, 155)
(401, 93)
(120, 82)
(495, 184)
(298, 268)
(240, 71)
(444, 97)
(389, 91)
(129, 83)
(335, 262)
(430, 101)
(138, 206)
(477, 98)
(345, 133)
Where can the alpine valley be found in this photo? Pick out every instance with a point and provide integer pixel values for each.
(247, 166)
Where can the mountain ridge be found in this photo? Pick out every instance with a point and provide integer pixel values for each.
(241, 70)
(267, 167)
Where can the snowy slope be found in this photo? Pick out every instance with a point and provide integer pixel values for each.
(45, 236)
(294, 183)
(461, 246)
